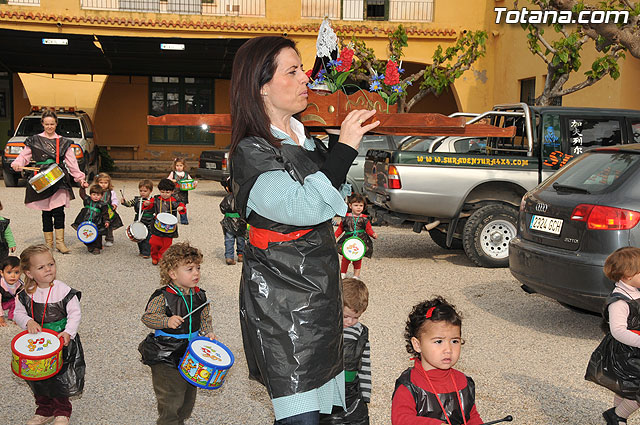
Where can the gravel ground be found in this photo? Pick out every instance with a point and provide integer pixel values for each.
(526, 353)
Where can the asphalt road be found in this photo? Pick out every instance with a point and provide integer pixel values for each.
(526, 353)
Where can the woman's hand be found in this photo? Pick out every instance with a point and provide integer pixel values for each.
(17, 167)
(65, 338)
(352, 130)
(175, 322)
(33, 327)
(84, 184)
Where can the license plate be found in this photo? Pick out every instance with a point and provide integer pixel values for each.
(210, 165)
(546, 224)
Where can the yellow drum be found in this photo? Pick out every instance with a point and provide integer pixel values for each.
(46, 178)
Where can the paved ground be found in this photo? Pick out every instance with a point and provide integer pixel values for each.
(527, 354)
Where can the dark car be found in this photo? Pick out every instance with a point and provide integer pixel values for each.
(213, 165)
(571, 222)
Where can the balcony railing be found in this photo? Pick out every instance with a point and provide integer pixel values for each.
(358, 10)
(188, 7)
(21, 2)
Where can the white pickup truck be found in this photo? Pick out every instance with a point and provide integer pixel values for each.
(469, 197)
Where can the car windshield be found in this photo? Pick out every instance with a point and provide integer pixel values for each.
(67, 127)
(417, 143)
(596, 172)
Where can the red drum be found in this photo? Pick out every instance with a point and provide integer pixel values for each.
(36, 356)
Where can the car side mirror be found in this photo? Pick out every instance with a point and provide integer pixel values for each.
(89, 135)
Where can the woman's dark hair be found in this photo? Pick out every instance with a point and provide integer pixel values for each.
(253, 67)
(437, 310)
(47, 114)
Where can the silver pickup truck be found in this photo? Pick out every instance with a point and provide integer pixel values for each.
(469, 198)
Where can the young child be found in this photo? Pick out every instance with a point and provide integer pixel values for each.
(50, 303)
(357, 356)
(145, 187)
(164, 348)
(233, 227)
(432, 392)
(160, 240)
(614, 363)
(111, 199)
(355, 224)
(10, 284)
(177, 174)
(96, 211)
(7, 241)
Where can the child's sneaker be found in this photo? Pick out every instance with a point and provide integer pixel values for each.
(39, 420)
(230, 261)
(108, 243)
(240, 258)
(61, 420)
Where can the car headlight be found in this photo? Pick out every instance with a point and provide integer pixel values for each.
(13, 149)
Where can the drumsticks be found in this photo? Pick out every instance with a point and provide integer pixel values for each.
(508, 418)
(31, 168)
(193, 311)
(122, 193)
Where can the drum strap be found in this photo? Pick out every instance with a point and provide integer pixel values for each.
(46, 303)
(189, 308)
(190, 336)
(433, 390)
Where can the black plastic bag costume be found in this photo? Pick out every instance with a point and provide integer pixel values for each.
(165, 349)
(290, 298)
(360, 223)
(4, 245)
(115, 222)
(615, 365)
(357, 412)
(70, 380)
(427, 404)
(43, 152)
(231, 223)
(95, 212)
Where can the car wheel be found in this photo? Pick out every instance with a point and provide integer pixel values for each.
(10, 179)
(440, 238)
(487, 234)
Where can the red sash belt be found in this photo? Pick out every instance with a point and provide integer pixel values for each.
(260, 238)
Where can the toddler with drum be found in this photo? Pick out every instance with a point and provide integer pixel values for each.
(143, 215)
(356, 242)
(233, 227)
(92, 221)
(184, 183)
(111, 199)
(10, 284)
(178, 312)
(165, 227)
(49, 303)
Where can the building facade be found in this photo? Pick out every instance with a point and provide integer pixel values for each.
(121, 60)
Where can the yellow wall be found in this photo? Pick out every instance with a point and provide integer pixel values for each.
(120, 113)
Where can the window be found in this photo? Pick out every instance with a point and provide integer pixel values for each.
(598, 172)
(587, 133)
(180, 95)
(528, 91)
(551, 143)
(376, 9)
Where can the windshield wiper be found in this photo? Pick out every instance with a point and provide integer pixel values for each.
(557, 186)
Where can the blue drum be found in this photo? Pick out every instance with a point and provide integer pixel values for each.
(87, 232)
(205, 363)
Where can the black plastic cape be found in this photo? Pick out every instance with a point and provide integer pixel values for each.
(290, 297)
(69, 381)
(234, 225)
(615, 365)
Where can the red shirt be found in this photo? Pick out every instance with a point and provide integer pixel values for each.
(403, 406)
(367, 229)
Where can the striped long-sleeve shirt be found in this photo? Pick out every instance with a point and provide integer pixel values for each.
(364, 374)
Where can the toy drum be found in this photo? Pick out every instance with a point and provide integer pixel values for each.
(205, 363)
(137, 232)
(87, 232)
(187, 184)
(166, 223)
(36, 356)
(46, 178)
(353, 248)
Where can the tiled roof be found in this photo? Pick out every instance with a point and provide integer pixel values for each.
(218, 26)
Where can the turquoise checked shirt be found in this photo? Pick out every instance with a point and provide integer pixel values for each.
(276, 196)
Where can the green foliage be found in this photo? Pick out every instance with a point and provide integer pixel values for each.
(449, 65)
(106, 162)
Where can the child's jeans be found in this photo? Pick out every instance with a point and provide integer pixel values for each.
(9, 305)
(229, 239)
(53, 406)
(109, 236)
(183, 218)
(144, 246)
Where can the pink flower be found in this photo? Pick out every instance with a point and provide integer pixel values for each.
(391, 75)
(346, 56)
